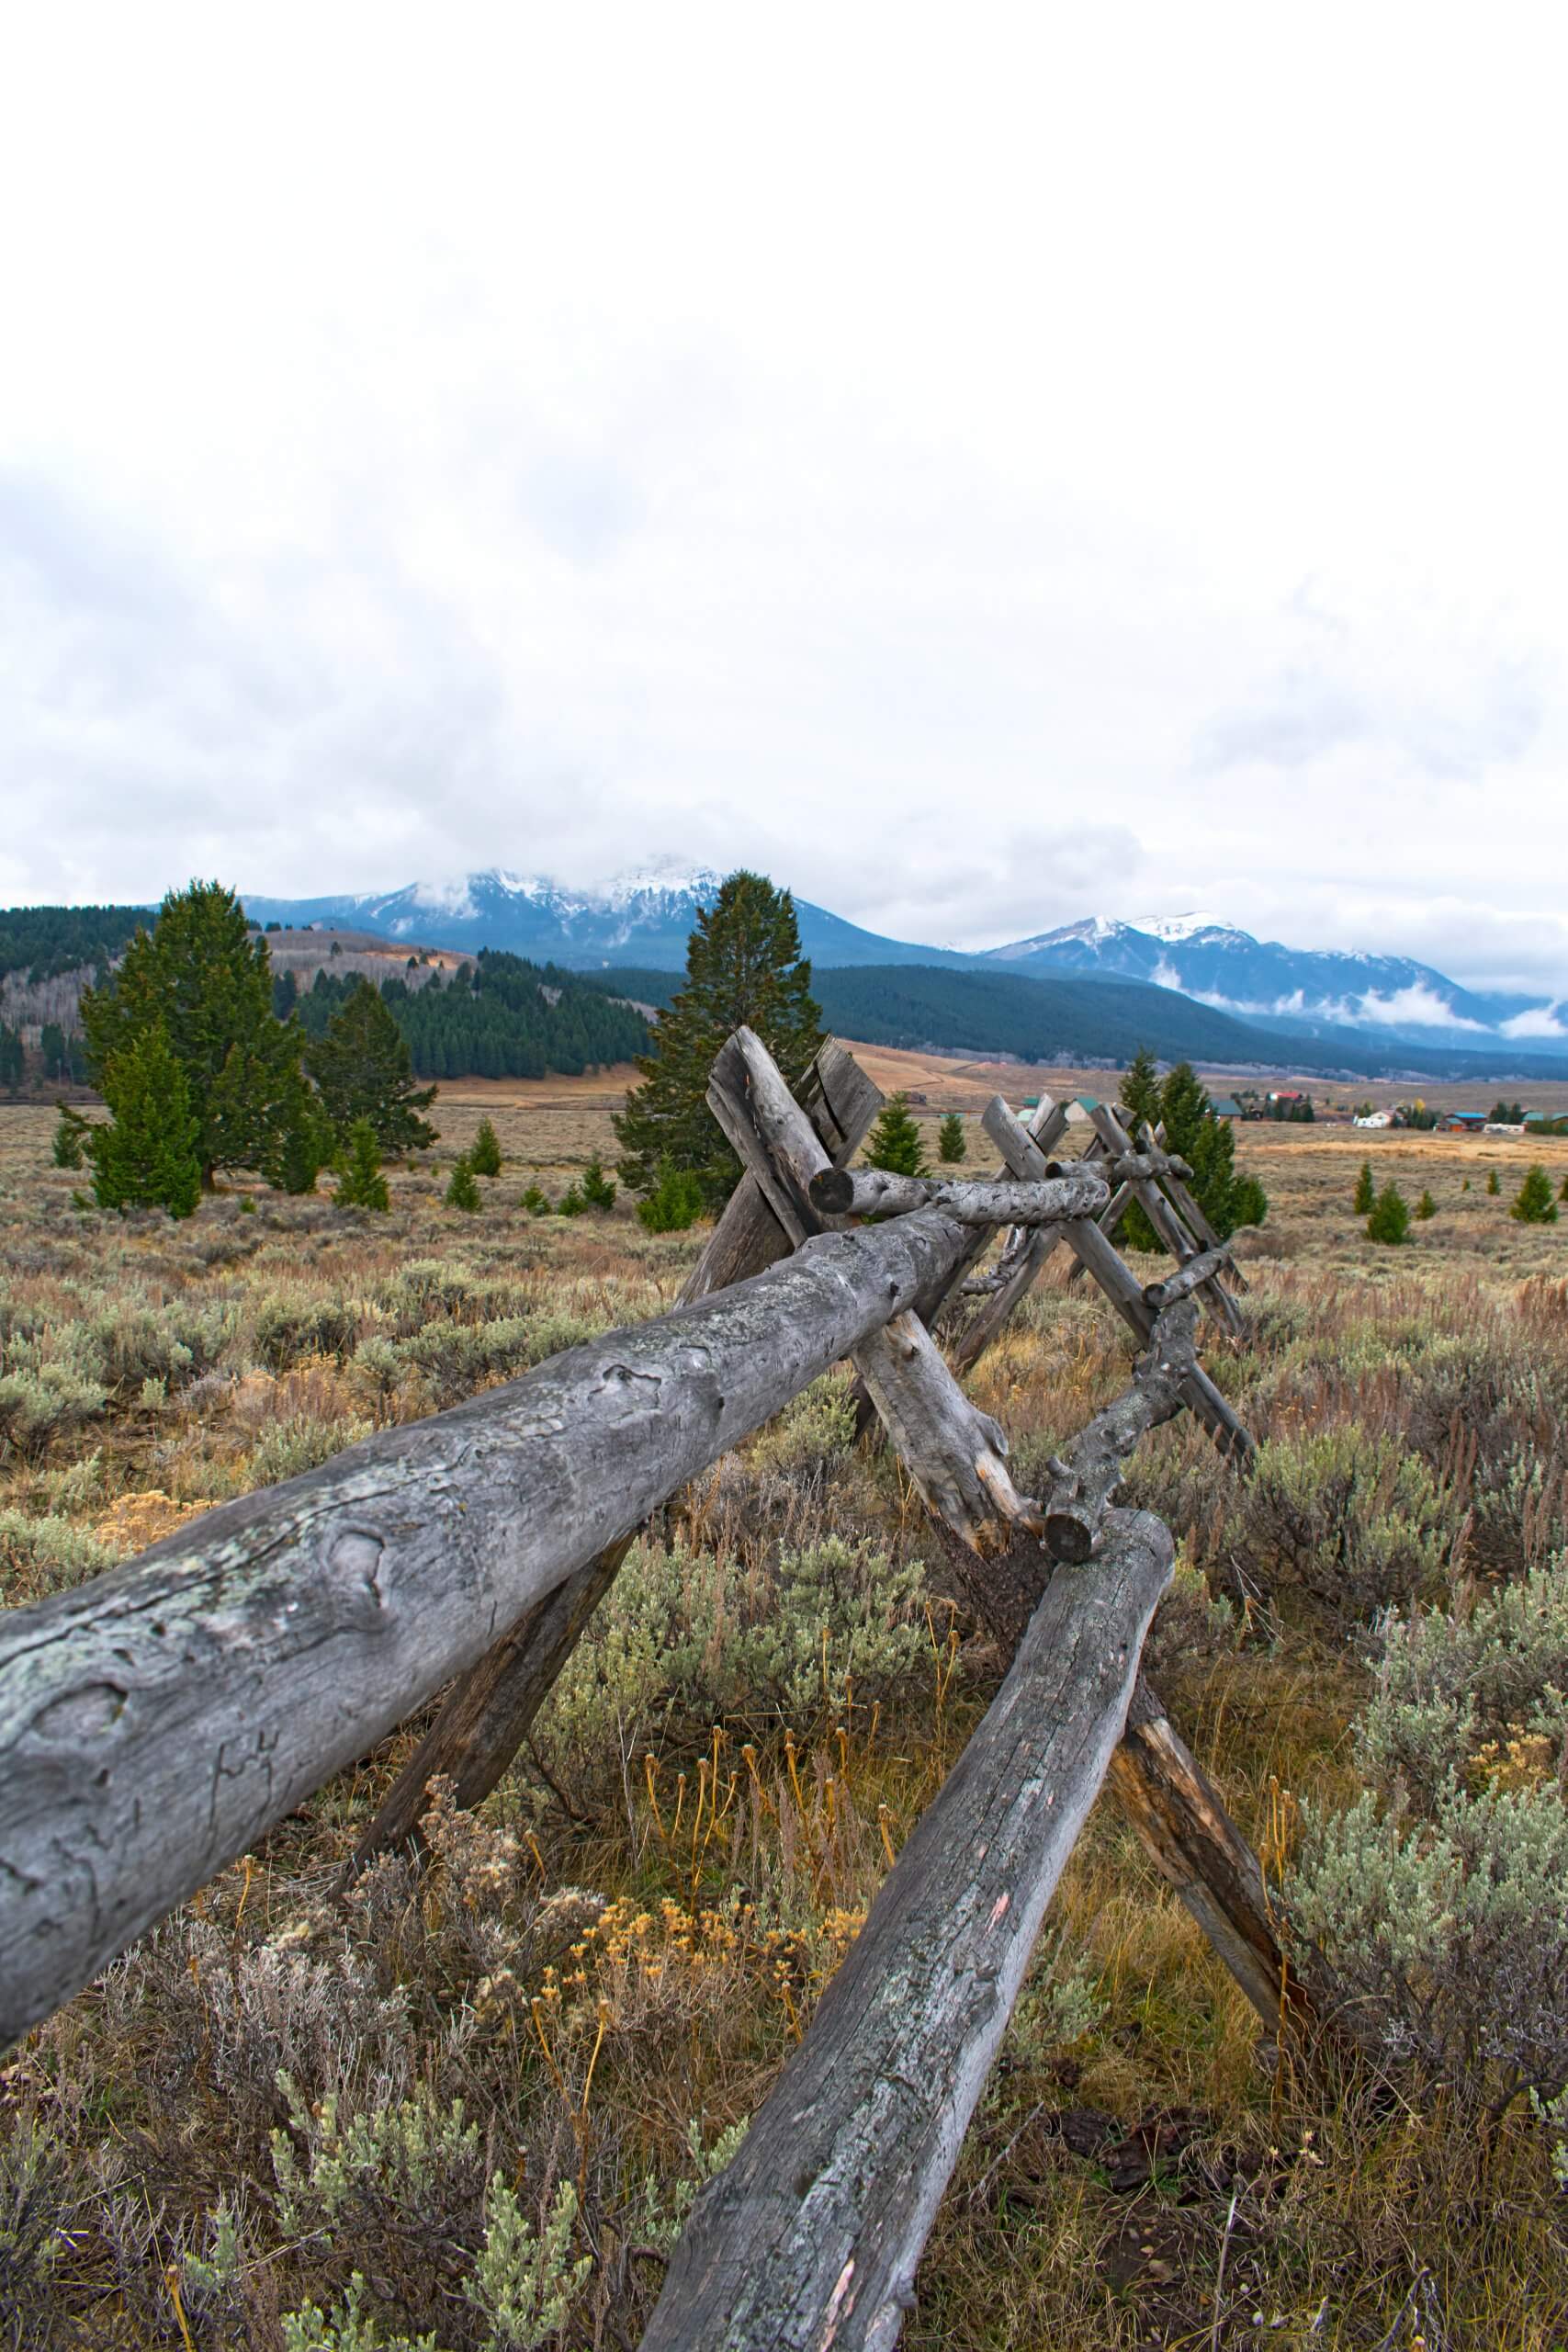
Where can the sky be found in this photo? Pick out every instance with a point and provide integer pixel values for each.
(984, 468)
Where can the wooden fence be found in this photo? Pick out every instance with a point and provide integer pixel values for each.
(157, 1721)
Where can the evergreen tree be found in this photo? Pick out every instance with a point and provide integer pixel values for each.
(571, 1201)
(951, 1147)
(536, 1203)
(1249, 1202)
(1389, 1219)
(463, 1192)
(364, 1070)
(146, 1155)
(894, 1142)
(484, 1159)
(1366, 1191)
(13, 1058)
(1533, 1204)
(675, 1202)
(304, 1143)
(743, 966)
(1426, 1207)
(69, 1147)
(362, 1184)
(597, 1188)
(1141, 1092)
(1493, 1186)
(200, 977)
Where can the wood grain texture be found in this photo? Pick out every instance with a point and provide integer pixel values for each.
(1087, 1477)
(810, 2238)
(490, 1711)
(840, 1102)
(156, 1721)
(877, 1192)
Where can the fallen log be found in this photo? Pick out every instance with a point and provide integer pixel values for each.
(955, 1454)
(1085, 1478)
(158, 1720)
(877, 1192)
(810, 2237)
(491, 1710)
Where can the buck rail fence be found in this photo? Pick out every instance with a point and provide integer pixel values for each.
(156, 1721)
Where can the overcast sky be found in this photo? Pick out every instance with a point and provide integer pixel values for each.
(984, 466)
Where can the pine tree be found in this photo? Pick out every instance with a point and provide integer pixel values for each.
(1389, 1219)
(571, 1201)
(894, 1142)
(362, 1184)
(13, 1058)
(1366, 1191)
(1140, 1092)
(199, 975)
(69, 1147)
(743, 966)
(364, 1070)
(675, 1202)
(463, 1192)
(536, 1203)
(597, 1188)
(951, 1147)
(1493, 1186)
(1533, 1204)
(146, 1155)
(303, 1145)
(1192, 1133)
(1426, 1207)
(484, 1159)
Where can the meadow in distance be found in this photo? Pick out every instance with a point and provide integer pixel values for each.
(470, 2105)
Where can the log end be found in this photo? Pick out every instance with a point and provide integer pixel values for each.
(1067, 1538)
(833, 1190)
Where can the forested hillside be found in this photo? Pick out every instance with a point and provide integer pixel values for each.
(499, 1017)
(43, 942)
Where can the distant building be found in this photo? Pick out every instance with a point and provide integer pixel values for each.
(1461, 1123)
(1225, 1106)
(1375, 1119)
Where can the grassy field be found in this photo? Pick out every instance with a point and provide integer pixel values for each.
(262, 2099)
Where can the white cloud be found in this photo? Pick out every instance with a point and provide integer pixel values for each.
(895, 460)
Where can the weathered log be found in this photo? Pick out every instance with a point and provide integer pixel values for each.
(877, 1192)
(1118, 1282)
(1020, 1267)
(810, 2237)
(955, 1453)
(1088, 1476)
(490, 1711)
(1168, 1223)
(156, 1721)
(1195, 1846)
(840, 1102)
(1187, 1206)
(1140, 1167)
(1192, 1277)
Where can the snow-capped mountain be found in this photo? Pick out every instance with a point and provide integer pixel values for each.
(641, 918)
(1307, 990)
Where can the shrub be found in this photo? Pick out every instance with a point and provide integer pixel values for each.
(484, 1155)
(39, 1404)
(1353, 1518)
(463, 1192)
(1493, 1186)
(362, 1185)
(1389, 1219)
(1366, 1191)
(292, 1323)
(572, 1202)
(536, 1203)
(1533, 1205)
(1426, 1207)
(41, 1555)
(597, 1188)
(951, 1147)
(675, 1202)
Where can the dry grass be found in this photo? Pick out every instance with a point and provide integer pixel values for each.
(623, 1948)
